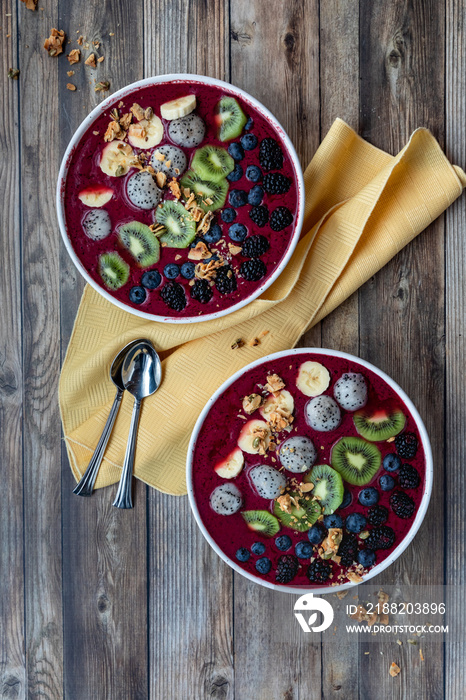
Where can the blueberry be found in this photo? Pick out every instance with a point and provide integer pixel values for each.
(236, 151)
(228, 215)
(249, 142)
(333, 521)
(263, 565)
(249, 124)
(303, 550)
(151, 279)
(355, 522)
(242, 554)
(171, 271)
(253, 173)
(366, 557)
(187, 270)
(347, 498)
(369, 496)
(256, 195)
(316, 534)
(238, 232)
(213, 235)
(258, 548)
(283, 543)
(391, 462)
(137, 295)
(386, 482)
(237, 198)
(235, 174)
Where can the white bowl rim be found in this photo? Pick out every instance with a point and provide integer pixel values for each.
(154, 80)
(323, 590)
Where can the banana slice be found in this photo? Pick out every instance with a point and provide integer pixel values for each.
(282, 400)
(179, 107)
(313, 378)
(147, 133)
(254, 438)
(116, 158)
(231, 466)
(96, 195)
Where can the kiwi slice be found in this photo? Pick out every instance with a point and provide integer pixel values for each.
(356, 460)
(209, 195)
(230, 119)
(139, 240)
(328, 487)
(113, 270)
(380, 423)
(302, 516)
(180, 227)
(212, 163)
(261, 521)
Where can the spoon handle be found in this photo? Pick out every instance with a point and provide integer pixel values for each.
(123, 497)
(86, 485)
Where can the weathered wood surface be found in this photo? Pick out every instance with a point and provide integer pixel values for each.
(97, 606)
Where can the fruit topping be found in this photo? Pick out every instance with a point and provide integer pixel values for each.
(169, 160)
(249, 124)
(228, 215)
(225, 281)
(333, 521)
(377, 515)
(258, 548)
(255, 246)
(263, 565)
(386, 482)
(408, 477)
(212, 163)
(96, 195)
(255, 195)
(236, 174)
(253, 173)
(303, 549)
(249, 142)
(142, 190)
(313, 378)
(137, 295)
(380, 538)
(252, 270)
(226, 499)
(201, 291)
(187, 131)
(366, 557)
(280, 218)
(356, 522)
(116, 158)
(287, 568)
(297, 454)
(281, 403)
(319, 571)
(267, 481)
(209, 195)
(188, 270)
(347, 499)
(369, 496)
(180, 227)
(322, 414)
(97, 224)
(283, 542)
(146, 133)
(259, 215)
(270, 154)
(276, 183)
(236, 151)
(328, 487)
(348, 550)
(173, 295)
(139, 240)
(379, 423)
(406, 445)
(151, 279)
(230, 119)
(171, 271)
(316, 534)
(113, 270)
(261, 521)
(179, 107)
(402, 505)
(213, 235)
(295, 511)
(351, 391)
(237, 232)
(254, 437)
(242, 554)
(231, 465)
(356, 460)
(391, 462)
(237, 198)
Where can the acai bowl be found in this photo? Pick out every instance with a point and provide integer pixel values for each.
(180, 198)
(309, 469)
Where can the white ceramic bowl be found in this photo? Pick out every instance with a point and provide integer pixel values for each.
(427, 480)
(158, 80)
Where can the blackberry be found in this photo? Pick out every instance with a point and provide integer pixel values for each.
(252, 270)
(348, 550)
(380, 538)
(173, 296)
(281, 218)
(255, 246)
(270, 155)
(276, 183)
(287, 568)
(402, 505)
(225, 280)
(201, 291)
(406, 445)
(319, 571)
(408, 477)
(377, 515)
(260, 215)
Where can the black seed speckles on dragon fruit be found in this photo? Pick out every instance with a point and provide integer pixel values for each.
(226, 499)
(142, 190)
(267, 481)
(297, 454)
(351, 391)
(323, 413)
(187, 131)
(97, 224)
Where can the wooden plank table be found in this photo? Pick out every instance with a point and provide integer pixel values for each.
(96, 604)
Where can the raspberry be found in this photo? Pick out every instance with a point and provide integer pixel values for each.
(255, 246)
(287, 568)
(270, 155)
(252, 270)
(377, 515)
(380, 538)
(225, 280)
(402, 505)
(260, 215)
(281, 218)
(276, 183)
(408, 477)
(319, 571)
(406, 445)
(173, 296)
(201, 291)
(348, 550)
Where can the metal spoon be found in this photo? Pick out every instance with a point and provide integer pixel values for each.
(86, 485)
(141, 374)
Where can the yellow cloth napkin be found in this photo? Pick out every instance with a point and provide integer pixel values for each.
(362, 207)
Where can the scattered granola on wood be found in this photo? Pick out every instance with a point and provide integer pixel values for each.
(54, 44)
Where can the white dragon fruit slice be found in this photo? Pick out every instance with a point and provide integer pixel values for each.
(97, 224)
(267, 481)
(226, 499)
(187, 131)
(351, 391)
(142, 190)
(174, 162)
(323, 413)
(297, 454)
